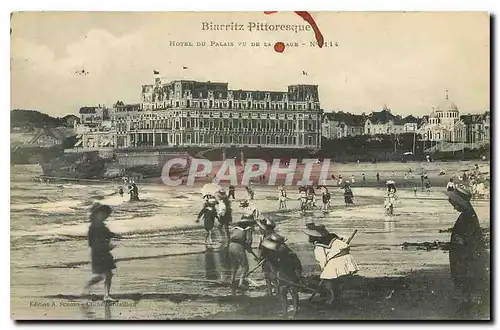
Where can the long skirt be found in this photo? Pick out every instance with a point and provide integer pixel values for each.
(208, 222)
(340, 266)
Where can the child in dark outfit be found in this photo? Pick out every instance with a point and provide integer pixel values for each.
(99, 237)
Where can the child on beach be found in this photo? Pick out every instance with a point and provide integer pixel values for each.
(332, 254)
(415, 190)
(99, 237)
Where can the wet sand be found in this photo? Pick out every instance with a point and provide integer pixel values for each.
(165, 273)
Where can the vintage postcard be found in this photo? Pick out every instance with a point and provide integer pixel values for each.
(250, 165)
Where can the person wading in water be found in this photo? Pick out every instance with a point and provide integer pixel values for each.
(209, 214)
(240, 243)
(231, 192)
(282, 198)
(326, 197)
(134, 192)
(99, 237)
(348, 195)
(468, 257)
(224, 214)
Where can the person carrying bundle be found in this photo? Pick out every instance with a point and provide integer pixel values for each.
(280, 262)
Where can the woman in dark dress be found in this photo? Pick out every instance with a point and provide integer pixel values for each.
(209, 214)
(468, 257)
(348, 195)
(99, 237)
(225, 214)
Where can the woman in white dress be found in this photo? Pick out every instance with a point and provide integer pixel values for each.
(332, 254)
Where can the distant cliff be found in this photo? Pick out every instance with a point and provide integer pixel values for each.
(37, 119)
(36, 137)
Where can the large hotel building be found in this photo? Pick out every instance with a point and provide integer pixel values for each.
(208, 114)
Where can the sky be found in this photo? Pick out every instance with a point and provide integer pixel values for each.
(61, 61)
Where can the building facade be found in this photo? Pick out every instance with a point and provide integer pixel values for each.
(341, 124)
(383, 122)
(330, 126)
(444, 124)
(208, 114)
(477, 127)
(92, 115)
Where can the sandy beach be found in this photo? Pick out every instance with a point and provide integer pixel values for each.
(164, 272)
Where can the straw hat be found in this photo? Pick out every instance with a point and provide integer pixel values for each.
(244, 223)
(266, 224)
(100, 208)
(461, 195)
(315, 231)
(277, 238)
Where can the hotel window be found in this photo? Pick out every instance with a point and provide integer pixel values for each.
(249, 104)
(310, 140)
(277, 140)
(268, 139)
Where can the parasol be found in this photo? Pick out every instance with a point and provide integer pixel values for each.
(210, 189)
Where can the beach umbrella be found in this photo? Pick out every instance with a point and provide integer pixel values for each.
(210, 189)
(408, 153)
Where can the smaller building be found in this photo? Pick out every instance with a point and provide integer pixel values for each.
(477, 127)
(382, 122)
(341, 124)
(410, 124)
(92, 115)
